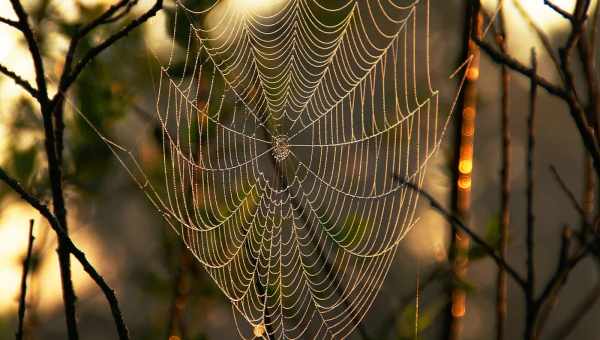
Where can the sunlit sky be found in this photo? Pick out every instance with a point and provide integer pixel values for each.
(14, 216)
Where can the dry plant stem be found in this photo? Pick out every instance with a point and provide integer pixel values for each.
(530, 238)
(23, 293)
(458, 223)
(501, 281)
(72, 248)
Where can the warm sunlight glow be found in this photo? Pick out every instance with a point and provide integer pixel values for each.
(45, 286)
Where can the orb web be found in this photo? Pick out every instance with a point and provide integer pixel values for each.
(282, 126)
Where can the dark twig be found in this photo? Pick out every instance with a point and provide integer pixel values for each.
(542, 36)
(567, 191)
(559, 10)
(501, 280)
(455, 221)
(23, 294)
(72, 248)
(19, 81)
(576, 111)
(95, 51)
(530, 238)
(514, 64)
(34, 50)
(11, 23)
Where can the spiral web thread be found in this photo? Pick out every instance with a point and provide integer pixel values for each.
(282, 129)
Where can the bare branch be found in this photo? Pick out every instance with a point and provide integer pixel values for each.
(514, 64)
(559, 10)
(34, 50)
(531, 309)
(23, 294)
(455, 221)
(567, 191)
(95, 51)
(11, 23)
(19, 81)
(542, 36)
(72, 248)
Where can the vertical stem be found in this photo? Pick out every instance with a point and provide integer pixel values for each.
(501, 281)
(23, 294)
(462, 169)
(531, 306)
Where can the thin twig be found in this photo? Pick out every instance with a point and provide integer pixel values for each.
(530, 238)
(559, 10)
(576, 111)
(11, 23)
(542, 36)
(514, 64)
(34, 50)
(72, 248)
(567, 191)
(19, 80)
(454, 220)
(23, 294)
(550, 300)
(501, 281)
(95, 51)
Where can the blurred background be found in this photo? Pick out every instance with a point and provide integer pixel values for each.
(140, 256)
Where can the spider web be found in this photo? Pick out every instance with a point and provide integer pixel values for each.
(282, 128)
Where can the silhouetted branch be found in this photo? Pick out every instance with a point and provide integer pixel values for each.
(530, 238)
(18, 80)
(542, 36)
(23, 294)
(559, 10)
(455, 221)
(34, 50)
(567, 191)
(11, 23)
(515, 65)
(95, 51)
(501, 280)
(72, 248)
